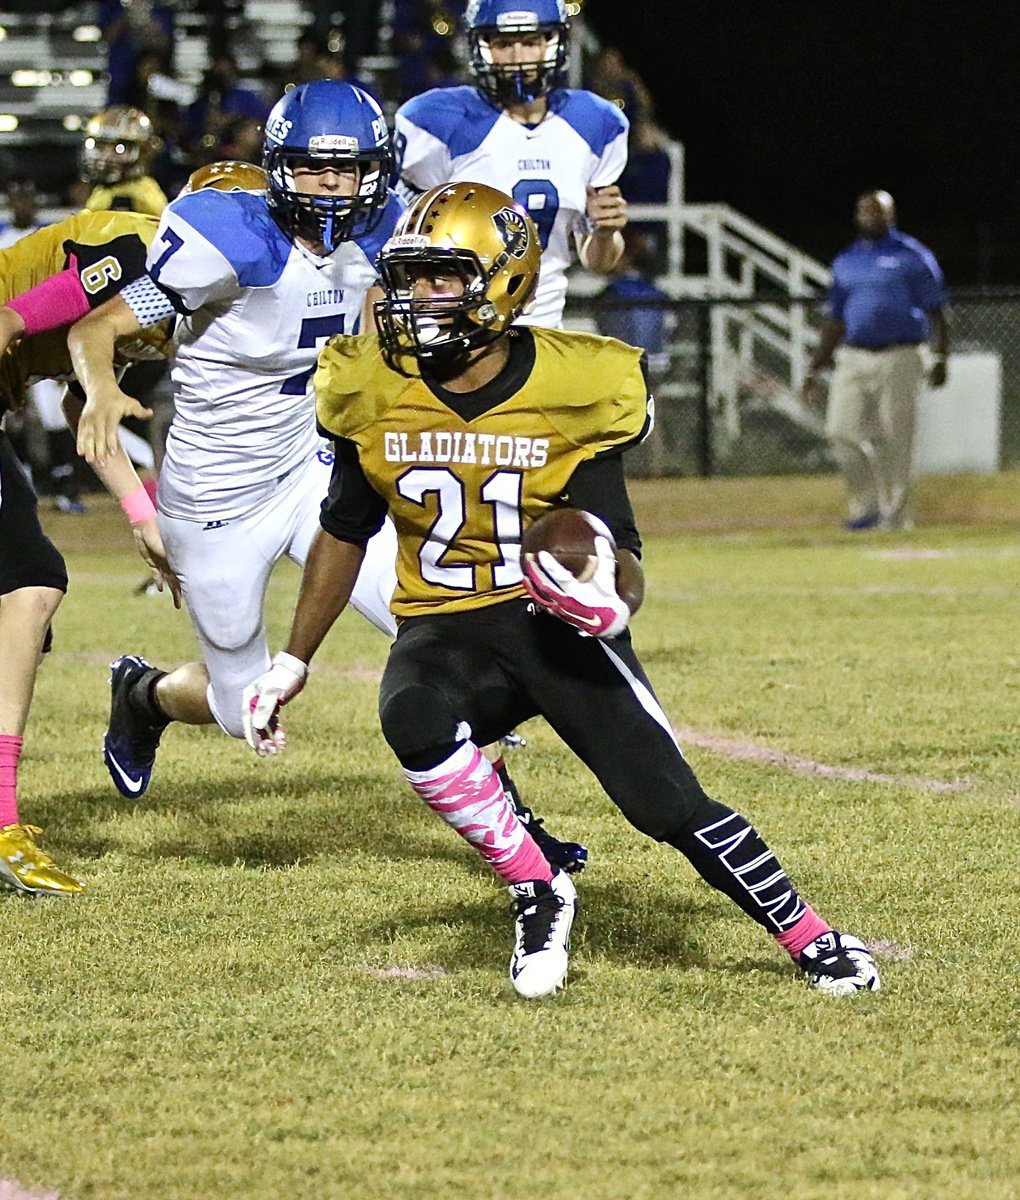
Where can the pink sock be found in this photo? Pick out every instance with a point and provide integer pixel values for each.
(466, 792)
(10, 752)
(150, 486)
(803, 933)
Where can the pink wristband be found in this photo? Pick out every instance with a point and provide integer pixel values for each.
(57, 301)
(138, 506)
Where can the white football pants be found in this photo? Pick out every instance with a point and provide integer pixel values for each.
(224, 571)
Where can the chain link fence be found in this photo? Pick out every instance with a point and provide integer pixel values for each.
(727, 375)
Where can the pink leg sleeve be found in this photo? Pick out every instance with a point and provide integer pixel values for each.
(466, 792)
(10, 752)
(803, 933)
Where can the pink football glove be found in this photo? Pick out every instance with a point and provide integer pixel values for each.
(263, 700)
(593, 606)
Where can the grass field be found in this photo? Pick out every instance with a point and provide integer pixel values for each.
(288, 980)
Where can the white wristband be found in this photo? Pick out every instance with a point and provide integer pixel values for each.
(292, 664)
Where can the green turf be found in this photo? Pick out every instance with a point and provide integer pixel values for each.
(287, 979)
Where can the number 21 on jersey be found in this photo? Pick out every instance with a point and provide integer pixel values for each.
(458, 513)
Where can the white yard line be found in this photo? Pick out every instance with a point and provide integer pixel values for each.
(9, 1190)
(753, 752)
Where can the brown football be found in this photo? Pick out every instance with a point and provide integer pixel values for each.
(568, 535)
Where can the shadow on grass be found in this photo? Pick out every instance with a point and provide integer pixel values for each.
(615, 925)
(225, 822)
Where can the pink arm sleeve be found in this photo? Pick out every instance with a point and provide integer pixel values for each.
(57, 301)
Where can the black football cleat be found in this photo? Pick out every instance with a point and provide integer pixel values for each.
(132, 737)
(839, 965)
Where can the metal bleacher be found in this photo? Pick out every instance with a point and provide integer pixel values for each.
(52, 78)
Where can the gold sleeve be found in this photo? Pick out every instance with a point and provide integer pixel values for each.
(593, 389)
(347, 383)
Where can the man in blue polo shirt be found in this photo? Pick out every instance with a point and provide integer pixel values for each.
(886, 299)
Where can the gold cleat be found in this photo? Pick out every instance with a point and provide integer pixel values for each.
(25, 868)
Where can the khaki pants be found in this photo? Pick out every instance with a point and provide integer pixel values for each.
(870, 421)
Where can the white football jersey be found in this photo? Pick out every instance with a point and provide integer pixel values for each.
(256, 310)
(455, 135)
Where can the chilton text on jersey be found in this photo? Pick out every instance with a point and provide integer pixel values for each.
(326, 296)
(485, 449)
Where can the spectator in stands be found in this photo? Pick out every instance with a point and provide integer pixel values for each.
(645, 179)
(243, 141)
(318, 58)
(222, 98)
(309, 49)
(638, 324)
(886, 300)
(423, 33)
(130, 29)
(620, 84)
(154, 80)
(23, 204)
(440, 69)
(172, 164)
(357, 21)
(222, 19)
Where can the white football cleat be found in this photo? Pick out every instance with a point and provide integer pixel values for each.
(544, 915)
(839, 965)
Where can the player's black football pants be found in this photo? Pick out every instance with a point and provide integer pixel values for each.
(496, 667)
(27, 556)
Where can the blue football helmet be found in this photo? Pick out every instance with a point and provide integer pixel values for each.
(504, 84)
(316, 124)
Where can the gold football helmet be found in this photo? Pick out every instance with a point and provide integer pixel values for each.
(478, 242)
(228, 175)
(119, 145)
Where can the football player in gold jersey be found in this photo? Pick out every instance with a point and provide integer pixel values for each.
(465, 430)
(47, 280)
(119, 145)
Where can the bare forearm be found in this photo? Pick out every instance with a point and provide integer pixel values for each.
(601, 247)
(326, 585)
(116, 473)
(91, 344)
(601, 251)
(830, 337)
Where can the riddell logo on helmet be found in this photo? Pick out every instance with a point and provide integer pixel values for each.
(517, 20)
(323, 143)
(407, 241)
(512, 230)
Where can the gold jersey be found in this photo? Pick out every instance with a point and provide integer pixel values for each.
(107, 249)
(462, 489)
(141, 195)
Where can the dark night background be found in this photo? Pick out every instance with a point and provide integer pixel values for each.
(788, 111)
